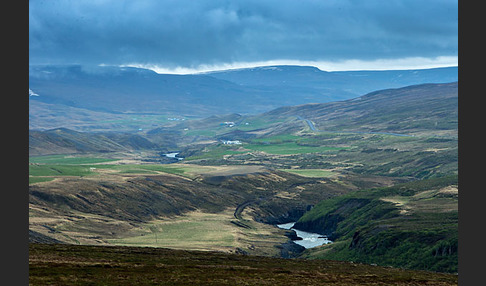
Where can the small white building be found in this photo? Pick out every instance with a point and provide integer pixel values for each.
(229, 123)
(231, 142)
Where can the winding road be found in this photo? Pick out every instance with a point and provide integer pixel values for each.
(310, 123)
(240, 221)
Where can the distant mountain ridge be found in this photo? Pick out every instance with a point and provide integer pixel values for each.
(357, 82)
(124, 90)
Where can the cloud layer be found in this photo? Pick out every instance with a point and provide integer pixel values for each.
(190, 34)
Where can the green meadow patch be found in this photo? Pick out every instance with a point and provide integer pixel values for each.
(289, 148)
(59, 170)
(284, 144)
(47, 172)
(68, 159)
(313, 173)
(278, 139)
(144, 168)
(194, 231)
(215, 152)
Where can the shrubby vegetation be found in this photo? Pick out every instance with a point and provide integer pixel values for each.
(117, 265)
(412, 225)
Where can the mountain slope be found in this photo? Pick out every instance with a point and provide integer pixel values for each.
(426, 109)
(66, 141)
(412, 225)
(407, 110)
(111, 91)
(132, 90)
(90, 265)
(336, 85)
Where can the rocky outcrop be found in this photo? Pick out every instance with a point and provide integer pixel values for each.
(328, 223)
(290, 249)
(292, 235)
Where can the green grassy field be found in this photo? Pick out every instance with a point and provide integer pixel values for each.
(275, 145)
(80, 167)
(46, 172)
(196, 232)
(277, 139)
(145, 168)
(289, 148)
(68, 159)
(313, 173)
(59, 170)
(46, 168)
(204, 231)
(215, 152)
(371, 154)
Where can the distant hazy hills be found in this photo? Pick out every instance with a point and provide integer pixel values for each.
(332, 86)
(425, 109)
(122, 90)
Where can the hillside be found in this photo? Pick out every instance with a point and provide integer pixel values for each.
(333, 86)
(73, 96)
(416, 109)
(408, 132)
(112, 89)
(412, 225)
(107, 203)
(88, 265)
(66, 141)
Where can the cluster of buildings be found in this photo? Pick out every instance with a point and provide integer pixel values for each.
(228, 123)
(231, 123)
(231, 142)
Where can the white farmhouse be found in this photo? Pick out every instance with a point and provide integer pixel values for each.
(231, 142)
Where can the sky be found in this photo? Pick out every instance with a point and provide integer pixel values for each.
(187, 36)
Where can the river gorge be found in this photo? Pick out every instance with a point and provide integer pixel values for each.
(309, 239)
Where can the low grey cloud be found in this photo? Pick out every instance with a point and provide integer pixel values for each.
(186, 33)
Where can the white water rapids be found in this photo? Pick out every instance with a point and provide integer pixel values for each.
(309, 239)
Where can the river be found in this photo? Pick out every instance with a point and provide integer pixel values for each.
(309, 239)
(173, 155)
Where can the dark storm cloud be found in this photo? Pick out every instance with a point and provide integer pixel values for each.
(191, 33)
